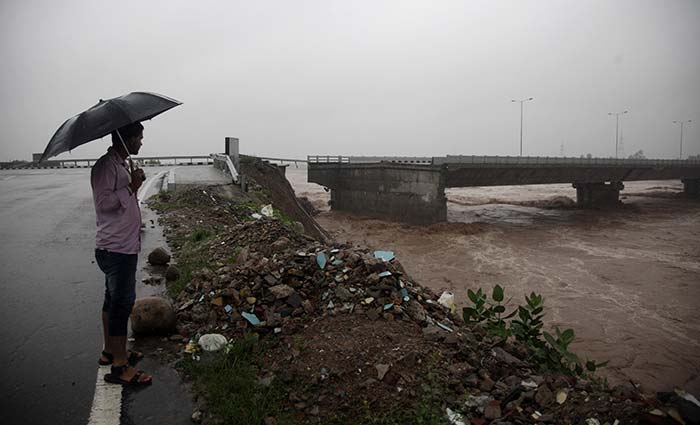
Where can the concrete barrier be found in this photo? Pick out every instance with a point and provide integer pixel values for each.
(399, 192)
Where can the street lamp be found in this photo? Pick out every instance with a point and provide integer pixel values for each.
(617, 127)
(680, 156)
(521, 121)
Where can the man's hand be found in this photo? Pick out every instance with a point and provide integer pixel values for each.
(137, 178)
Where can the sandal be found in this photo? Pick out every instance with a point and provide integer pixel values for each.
(116, 372)
(134, 357)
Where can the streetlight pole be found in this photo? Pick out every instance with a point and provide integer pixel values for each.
(680, 155)
(617, 128)
(521, 121)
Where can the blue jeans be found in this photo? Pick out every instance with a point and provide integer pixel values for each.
(120, 288)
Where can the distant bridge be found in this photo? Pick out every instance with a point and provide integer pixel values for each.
(412, 189)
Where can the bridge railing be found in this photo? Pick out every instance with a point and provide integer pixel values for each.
(327, 159)
(496, 160)
(540, 160)
(140, 161)
(340, 159)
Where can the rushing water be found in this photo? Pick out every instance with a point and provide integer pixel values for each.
(627, 280)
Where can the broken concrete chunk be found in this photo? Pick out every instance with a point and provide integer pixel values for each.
(281, 291)
(382, 369)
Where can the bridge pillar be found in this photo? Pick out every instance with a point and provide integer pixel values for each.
(398, 192)
(598, 194)
(691, 187)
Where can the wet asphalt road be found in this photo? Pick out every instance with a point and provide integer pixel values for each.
(50, 296)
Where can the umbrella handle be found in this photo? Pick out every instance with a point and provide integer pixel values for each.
(131, 163)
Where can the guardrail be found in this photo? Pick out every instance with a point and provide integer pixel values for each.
(224, 163)
(338, 159)
(513, 160)
(546, 160)
(143, 161)
(281, 159)
(426, 160)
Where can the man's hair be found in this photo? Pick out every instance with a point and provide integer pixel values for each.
(128, 131)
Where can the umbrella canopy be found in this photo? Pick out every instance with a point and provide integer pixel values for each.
(104, 118)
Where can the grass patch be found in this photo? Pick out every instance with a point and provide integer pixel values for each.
(200, 235)
(191, 256)
(231, 386)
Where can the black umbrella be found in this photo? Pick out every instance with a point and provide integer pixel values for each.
(104, 118)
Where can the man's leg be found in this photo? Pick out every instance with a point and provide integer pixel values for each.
(105, 333)
(120, 270)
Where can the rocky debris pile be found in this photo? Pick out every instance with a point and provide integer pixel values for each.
(275, 279)
(352, 330)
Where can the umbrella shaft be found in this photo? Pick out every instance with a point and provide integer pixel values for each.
(131, 163)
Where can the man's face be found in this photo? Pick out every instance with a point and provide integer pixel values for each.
(134, 144)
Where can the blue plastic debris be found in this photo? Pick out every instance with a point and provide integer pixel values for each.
(337, 262)
(250, 317)
(404, 294)
(384, 255)
(388, 306)
(321, 260)
(228, 308)
(385, 274)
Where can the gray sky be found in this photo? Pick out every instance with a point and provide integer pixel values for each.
(291, 78)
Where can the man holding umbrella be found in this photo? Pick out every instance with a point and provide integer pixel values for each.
(114, 188)
(118, 241)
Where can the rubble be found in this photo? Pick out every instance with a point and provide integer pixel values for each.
(368, 332)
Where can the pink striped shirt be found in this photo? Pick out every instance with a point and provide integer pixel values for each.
(118, 213)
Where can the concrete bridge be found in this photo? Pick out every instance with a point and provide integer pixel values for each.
(412, 189)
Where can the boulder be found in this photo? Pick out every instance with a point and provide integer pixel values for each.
(153, 315)
(172, 274)
(159, 257)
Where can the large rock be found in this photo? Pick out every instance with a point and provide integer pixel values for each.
(172, 273)
(153, 315)
(159, 257)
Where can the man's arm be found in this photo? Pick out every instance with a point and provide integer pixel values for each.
(103, 179)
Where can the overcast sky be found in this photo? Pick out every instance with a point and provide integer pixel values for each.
(293, 78)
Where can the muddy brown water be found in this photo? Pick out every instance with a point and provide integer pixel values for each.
(627, 280)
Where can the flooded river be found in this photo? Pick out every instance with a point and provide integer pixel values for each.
(627, 281)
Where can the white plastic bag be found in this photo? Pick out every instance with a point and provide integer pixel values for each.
(212, 342)
(447, 299)
(267, 210)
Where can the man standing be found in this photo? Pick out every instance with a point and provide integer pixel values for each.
(114, 187)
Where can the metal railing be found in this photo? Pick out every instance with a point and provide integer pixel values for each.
(498, 160)
(327, 159)
(546, 160)
(224, 162)
(264, 158)
(142, 161)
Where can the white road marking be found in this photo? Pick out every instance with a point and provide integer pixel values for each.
(107, 402)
